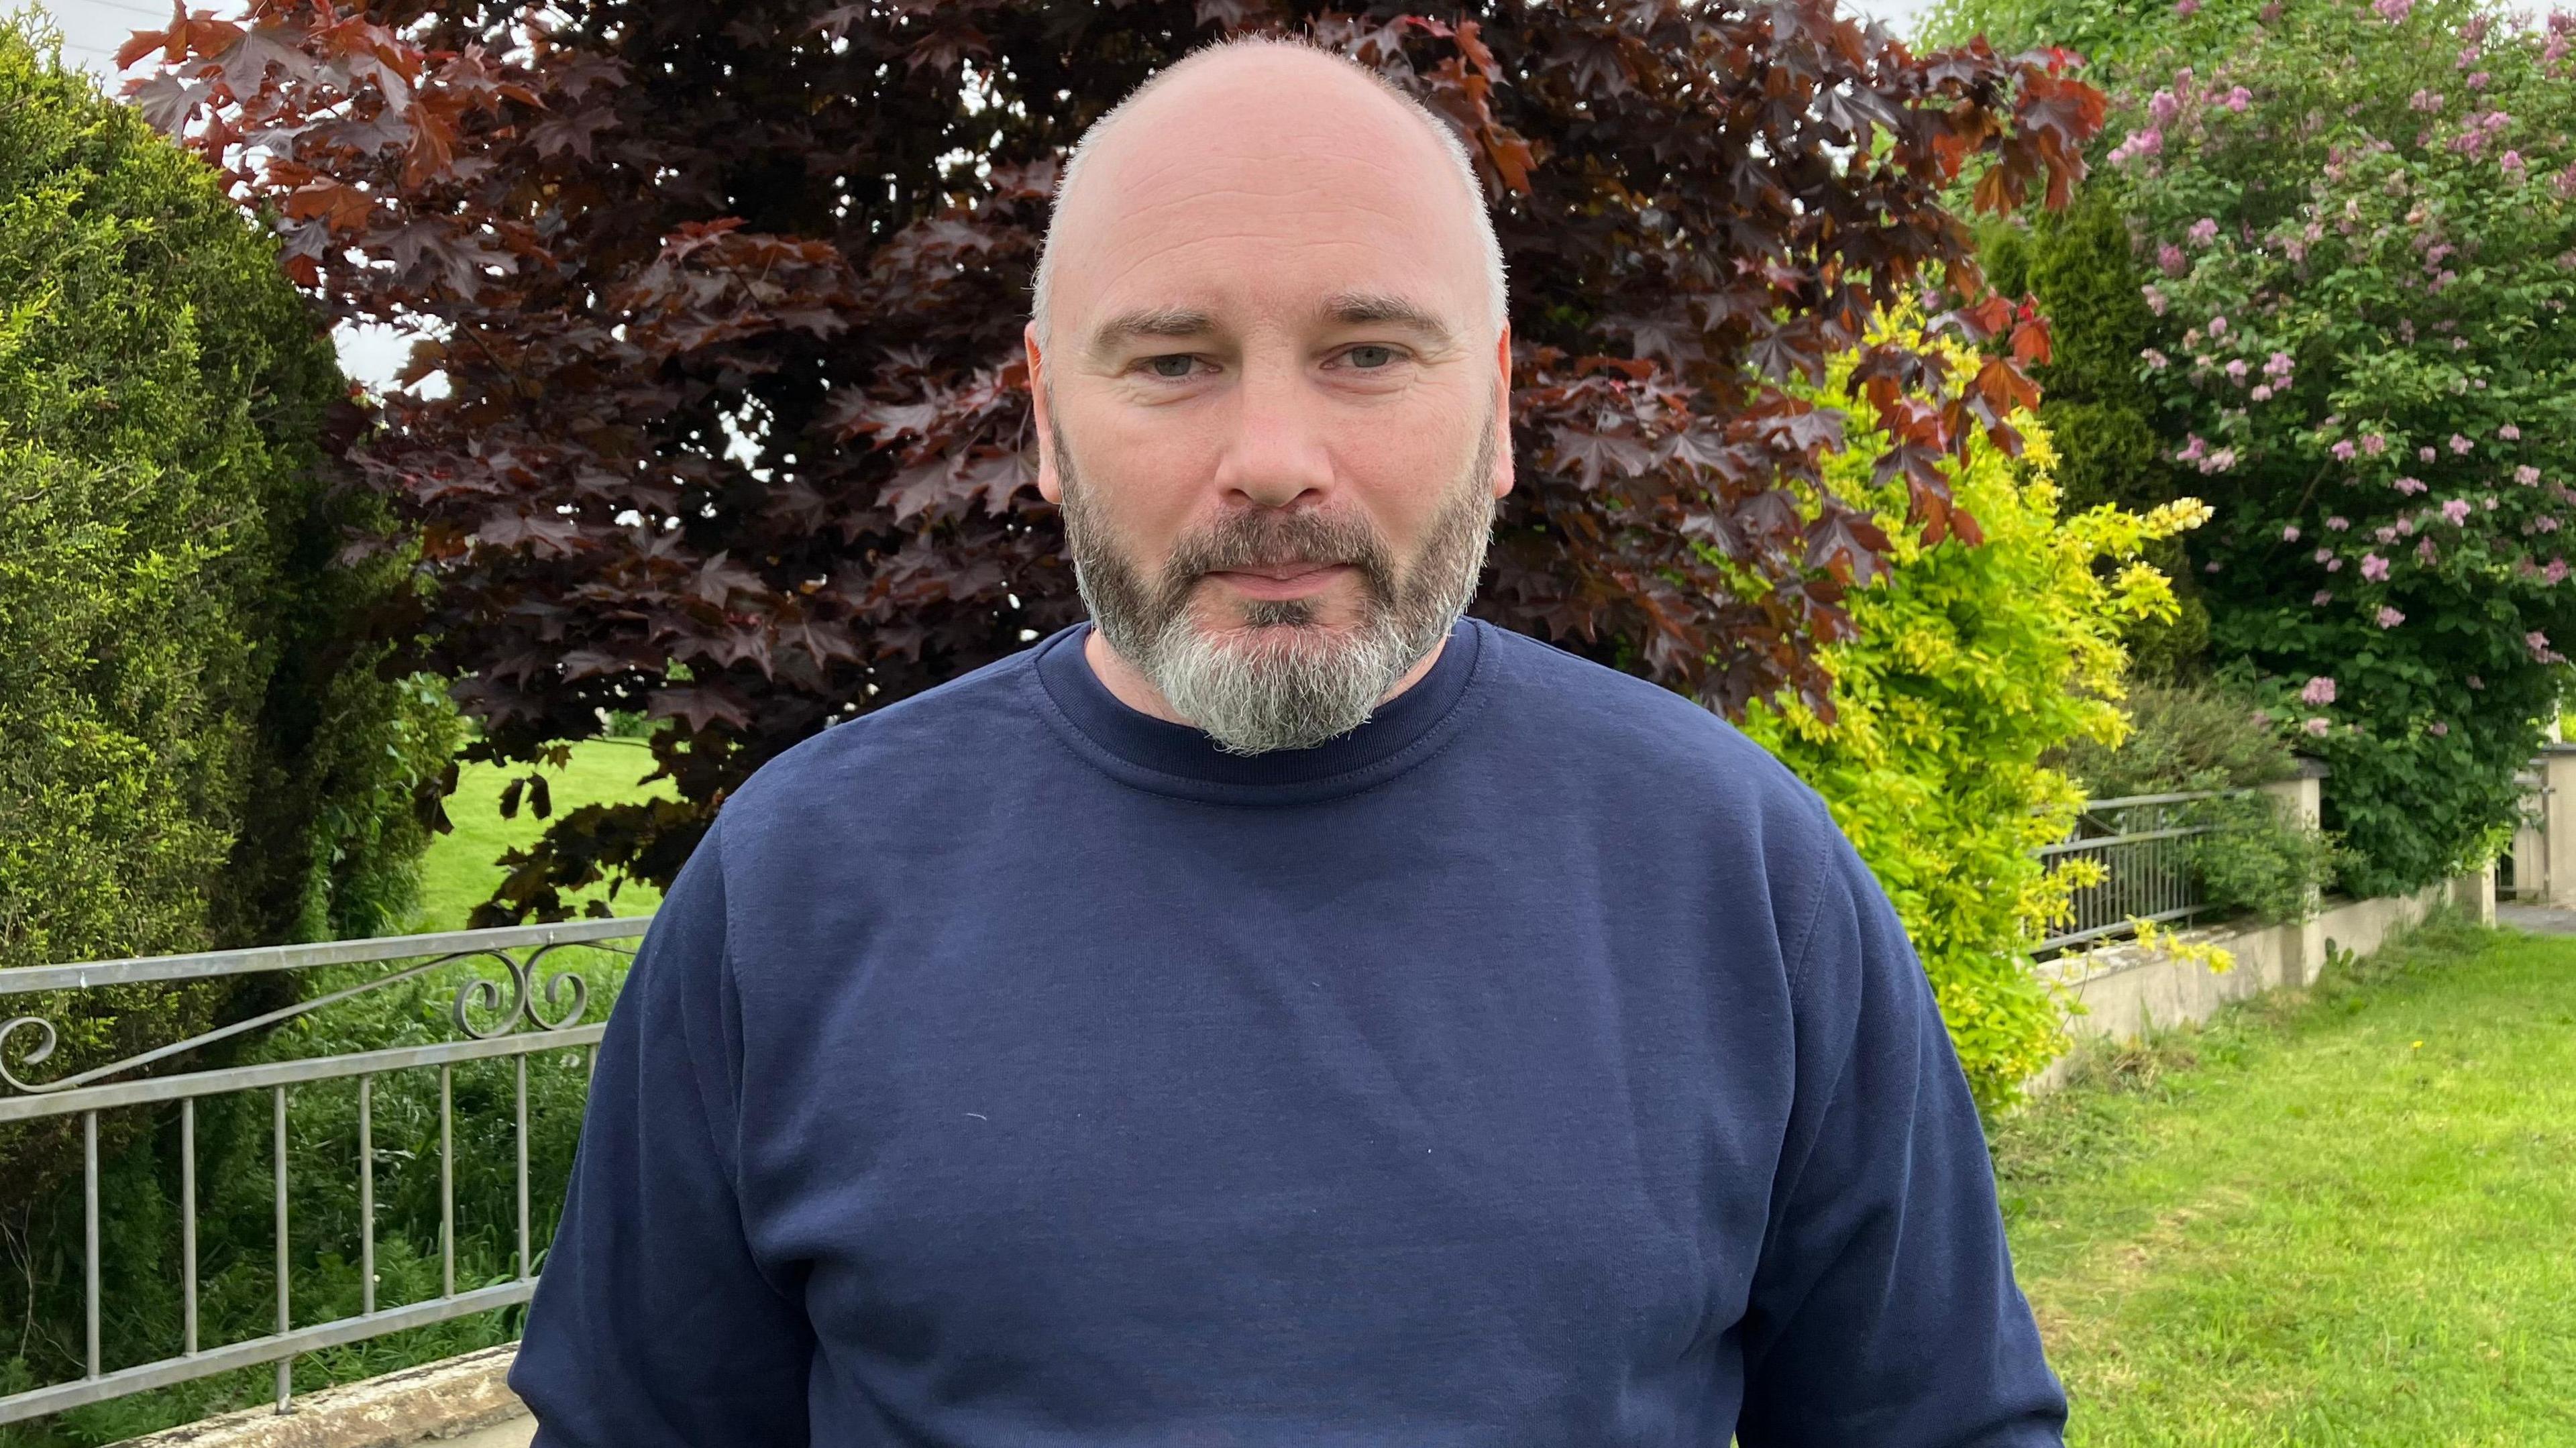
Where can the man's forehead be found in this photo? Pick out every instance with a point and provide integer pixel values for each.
(1313, 199)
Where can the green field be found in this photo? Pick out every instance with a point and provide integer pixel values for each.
(2338, 1217)
(460, 870)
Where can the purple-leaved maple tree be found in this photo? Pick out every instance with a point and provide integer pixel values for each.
(725, 297)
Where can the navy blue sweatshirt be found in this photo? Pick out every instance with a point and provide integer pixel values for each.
(1535, 1065)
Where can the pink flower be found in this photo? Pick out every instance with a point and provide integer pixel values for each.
(2342, 451)
(2148, 142)
(2538, 643)
(2218, 326)
(2202, 232)
(2425, 100)
(2408, 486)
(2316, 727)
(2386, 535)
(2544, 524)
(2338, 523)
(2262, 392)
(2460, 445)
(2374, 569)
(2324, 597)
(2388, 617)
(2426, 553)
(2192, 448)
(2333, 565)
(2156, 361)
(2238, 99)
(2393, 11)
(2219, 461)
(2374, 444)
(2527, 475)
(2162, 107)
(2278, 365)
(2426, 454)
(2155, 298)
(2236, 370)
(2510, 161)
(2290, 534)
(2556, 572)
(2509, 433)
(2185, 9)
(2319, 693)
(2437, 729)
(2172, 262)
(2457, 510)
(2477, 80)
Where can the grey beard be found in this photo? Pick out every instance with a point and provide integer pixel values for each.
(1284, 680)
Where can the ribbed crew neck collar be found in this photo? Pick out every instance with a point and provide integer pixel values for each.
(1169, 758)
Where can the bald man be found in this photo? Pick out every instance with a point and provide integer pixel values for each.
(1279, 1011)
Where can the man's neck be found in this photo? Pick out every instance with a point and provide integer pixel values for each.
(1129, 686)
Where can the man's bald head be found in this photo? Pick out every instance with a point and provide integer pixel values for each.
(1321, 77)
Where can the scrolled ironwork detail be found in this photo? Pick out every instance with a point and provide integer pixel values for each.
(579, 991)
(43, 1050)
(29, 1040)
(485, 995)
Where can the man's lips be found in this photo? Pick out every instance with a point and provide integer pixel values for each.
(1285, 580)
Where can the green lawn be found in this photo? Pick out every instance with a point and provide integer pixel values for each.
(459, 873)
(2344, 1216)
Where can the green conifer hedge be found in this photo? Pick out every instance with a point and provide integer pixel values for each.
(196, 750)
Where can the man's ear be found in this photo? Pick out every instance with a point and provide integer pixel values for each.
(1503, 412)
(1050, 486)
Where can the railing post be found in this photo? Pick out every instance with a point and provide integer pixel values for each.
(2558, 823)
(2301, 802)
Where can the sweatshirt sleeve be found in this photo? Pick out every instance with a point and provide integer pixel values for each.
(1883, 1308)
(653, 1326)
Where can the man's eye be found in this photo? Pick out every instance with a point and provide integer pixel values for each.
(1371, 358)
(1172, 366)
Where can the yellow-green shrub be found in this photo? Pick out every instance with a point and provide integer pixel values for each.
(1972, 662)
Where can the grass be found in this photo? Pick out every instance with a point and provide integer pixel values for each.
(460, 869)
(2337, 1216)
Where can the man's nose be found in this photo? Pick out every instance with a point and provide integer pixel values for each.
(1277, 455)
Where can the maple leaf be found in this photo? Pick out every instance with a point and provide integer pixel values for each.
(167, 102)
(246, 62)
(560, 133)
(700, 705)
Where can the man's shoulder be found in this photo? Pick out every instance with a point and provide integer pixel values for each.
(966, 717)
(1620, 725)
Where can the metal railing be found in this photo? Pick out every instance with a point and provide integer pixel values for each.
(2143, 844)
(513, 1018)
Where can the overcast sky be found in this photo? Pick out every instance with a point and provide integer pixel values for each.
(93, 29)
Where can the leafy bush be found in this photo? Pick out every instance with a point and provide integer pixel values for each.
(2105, 421)
(2361, 229)
(201, 752)
(2208, 735)
(2258, 860)
(1972, 664)
(198, 751)
(2215, 735)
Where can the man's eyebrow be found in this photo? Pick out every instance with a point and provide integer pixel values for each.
(1149, 322)
(1363, 308)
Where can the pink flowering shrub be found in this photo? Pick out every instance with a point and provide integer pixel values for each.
(2358, 228)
